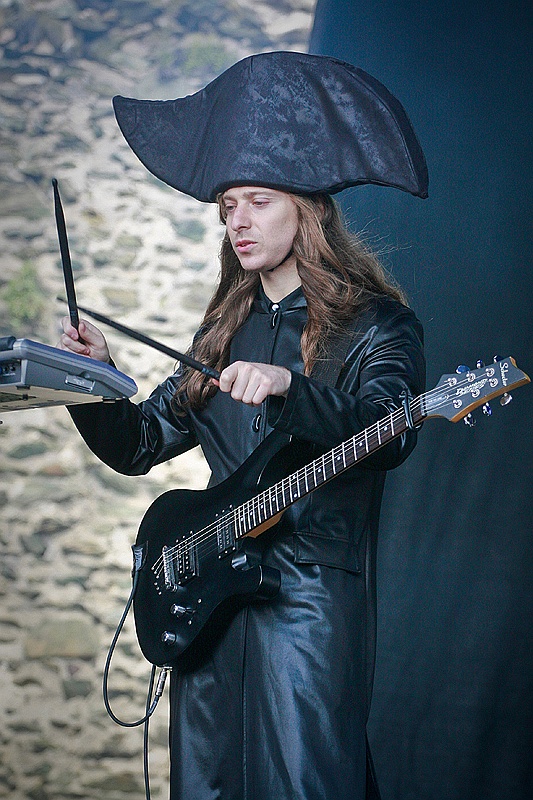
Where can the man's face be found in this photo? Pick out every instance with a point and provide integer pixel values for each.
(261, 225)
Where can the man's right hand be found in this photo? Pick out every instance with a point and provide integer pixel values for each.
(88, 341)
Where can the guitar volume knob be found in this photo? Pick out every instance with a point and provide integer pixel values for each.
(167, 637)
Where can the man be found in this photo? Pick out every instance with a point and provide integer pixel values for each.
(310, 339)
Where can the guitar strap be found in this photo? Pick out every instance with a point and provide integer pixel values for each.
(328, 369)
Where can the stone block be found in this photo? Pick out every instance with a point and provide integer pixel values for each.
(63, 638)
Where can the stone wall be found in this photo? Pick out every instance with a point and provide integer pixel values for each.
(146, 256)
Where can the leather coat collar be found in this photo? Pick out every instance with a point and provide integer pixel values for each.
(292, 301)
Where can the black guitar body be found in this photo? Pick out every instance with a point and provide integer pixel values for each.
(178, 613)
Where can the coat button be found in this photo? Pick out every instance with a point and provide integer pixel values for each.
(256, 424)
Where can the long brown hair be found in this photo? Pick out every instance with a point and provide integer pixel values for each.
(339, 275)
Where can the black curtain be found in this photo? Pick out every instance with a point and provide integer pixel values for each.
(452, 709)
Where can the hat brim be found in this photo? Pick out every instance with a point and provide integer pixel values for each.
(295, 122)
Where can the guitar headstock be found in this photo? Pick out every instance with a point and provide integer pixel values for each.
(458, 394)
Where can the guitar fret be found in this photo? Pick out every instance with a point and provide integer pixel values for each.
(275, 498)
(262, 507)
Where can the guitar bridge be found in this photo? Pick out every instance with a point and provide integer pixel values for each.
(180, 564)
(168, 569)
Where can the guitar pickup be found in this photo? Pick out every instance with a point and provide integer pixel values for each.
(225, 535)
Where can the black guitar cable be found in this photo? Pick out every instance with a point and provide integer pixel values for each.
(151, 705)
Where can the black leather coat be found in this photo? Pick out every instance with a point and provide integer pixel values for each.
(278, 709)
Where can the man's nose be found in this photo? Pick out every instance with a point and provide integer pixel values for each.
(240, 218)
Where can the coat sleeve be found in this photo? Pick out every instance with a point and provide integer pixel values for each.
(131, 438)
(385, 358)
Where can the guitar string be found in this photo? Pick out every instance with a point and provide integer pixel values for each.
(233, 518)
(253, 506)
(246, 508)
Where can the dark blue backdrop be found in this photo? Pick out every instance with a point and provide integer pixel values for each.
(451, 717)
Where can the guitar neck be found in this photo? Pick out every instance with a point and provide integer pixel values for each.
(274, 500)
(454, 397)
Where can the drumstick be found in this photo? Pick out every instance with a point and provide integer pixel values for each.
(141, 337)
(65, 257)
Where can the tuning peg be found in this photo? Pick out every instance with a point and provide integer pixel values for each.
(480, 364)
(505, 399)
(462, 368)
(487, 410)
(469, 420)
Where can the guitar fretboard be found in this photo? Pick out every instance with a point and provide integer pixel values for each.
(277, 498)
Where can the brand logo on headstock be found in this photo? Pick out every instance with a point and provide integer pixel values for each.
(504, 369)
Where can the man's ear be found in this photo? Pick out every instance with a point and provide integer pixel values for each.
(323, 208)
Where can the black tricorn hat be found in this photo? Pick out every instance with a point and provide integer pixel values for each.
(295, 122)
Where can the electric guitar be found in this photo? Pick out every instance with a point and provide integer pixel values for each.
(195, 550)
